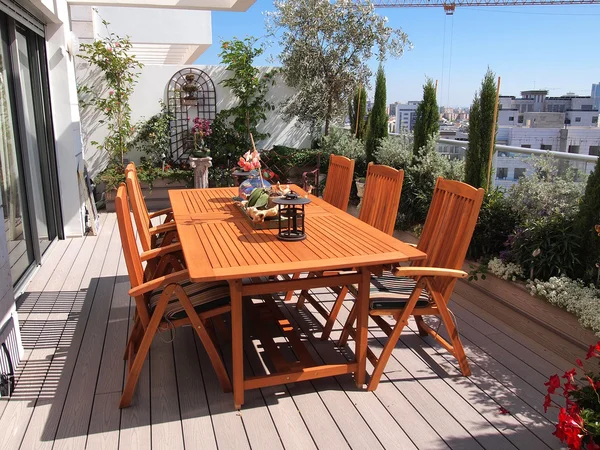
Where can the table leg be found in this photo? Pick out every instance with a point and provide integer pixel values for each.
(362, 322)
(237, 342)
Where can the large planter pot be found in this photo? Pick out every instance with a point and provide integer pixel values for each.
(156, 198)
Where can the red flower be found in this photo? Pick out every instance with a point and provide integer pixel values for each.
(547, 402)
(591, 445)
(553, 383)
(592, 351)
(568, 387)
(569, 429)
(579, 362)
(570, 374)
(503, 410)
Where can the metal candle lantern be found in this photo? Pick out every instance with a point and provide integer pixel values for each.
(291, 216)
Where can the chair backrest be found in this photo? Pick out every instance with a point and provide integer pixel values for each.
(449, 226)
(381, 200)
(130, 250)
(339, 181)
(131, 168)
(140, 212)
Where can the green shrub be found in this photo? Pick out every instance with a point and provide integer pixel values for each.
(153, 136)
(546, 247)
(289, 163)
(420, 175)
(496, 222)
(547, 192)
(588, 216)
(341, 142)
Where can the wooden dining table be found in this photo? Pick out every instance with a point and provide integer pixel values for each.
(220, 243)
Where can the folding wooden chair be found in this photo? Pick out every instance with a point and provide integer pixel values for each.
(166, 301)
(424, 288)
(337, 189)
(379, 209)
(149, 234)
(339, 181)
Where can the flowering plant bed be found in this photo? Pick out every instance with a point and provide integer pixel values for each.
(516, 296)
(579, 419)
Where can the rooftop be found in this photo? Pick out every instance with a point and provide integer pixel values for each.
(75, 316)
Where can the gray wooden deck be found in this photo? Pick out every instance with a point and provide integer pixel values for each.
(74, 320)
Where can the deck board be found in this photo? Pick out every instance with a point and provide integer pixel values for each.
(75, 317)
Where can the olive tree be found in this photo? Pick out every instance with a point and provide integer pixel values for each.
(325, 50)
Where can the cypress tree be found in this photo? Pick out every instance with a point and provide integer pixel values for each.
(357, 107)
(428, 116)
(481, 119)
(587, 218)
(377, 127)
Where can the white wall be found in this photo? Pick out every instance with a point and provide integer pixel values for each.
(152, 87)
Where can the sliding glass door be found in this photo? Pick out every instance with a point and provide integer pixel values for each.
(26, 148)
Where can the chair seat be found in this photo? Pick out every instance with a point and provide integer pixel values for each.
(392, 292)
(203, 296)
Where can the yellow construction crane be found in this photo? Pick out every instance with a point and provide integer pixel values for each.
(450, 6)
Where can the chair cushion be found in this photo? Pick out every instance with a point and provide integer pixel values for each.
(204, 297)
(392, 292)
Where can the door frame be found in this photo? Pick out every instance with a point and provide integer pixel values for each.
(44, 134)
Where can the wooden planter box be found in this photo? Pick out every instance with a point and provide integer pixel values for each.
(512, 303)
(156, 198)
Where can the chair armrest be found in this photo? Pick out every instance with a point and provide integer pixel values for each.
(429, 272)
(163, 228)
(156, 283)
(160, 251)
(160, 213)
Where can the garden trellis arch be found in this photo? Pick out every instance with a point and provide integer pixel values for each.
(190, 94)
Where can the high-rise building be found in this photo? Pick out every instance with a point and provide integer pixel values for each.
(596, 95)
(406, 115)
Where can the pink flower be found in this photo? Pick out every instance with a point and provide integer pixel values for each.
(111, 92)
(109, 49)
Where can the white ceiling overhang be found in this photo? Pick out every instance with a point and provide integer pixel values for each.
(203, 5)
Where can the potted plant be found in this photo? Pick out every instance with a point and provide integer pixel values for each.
(360, 189)
(579, 419)
(199, 158)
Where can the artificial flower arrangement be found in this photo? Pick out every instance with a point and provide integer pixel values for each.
(256, 197)
(200, 130)
(579, 419)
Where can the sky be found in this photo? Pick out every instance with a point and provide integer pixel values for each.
(529, 47)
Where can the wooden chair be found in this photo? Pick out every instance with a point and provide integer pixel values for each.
(424, 288)
(337, 189)
(166, 301)
(339, 181)
(379, 209)
(150, 236)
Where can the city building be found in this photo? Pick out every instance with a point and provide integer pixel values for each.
(564, 124)
(406, 115)
(596, 95)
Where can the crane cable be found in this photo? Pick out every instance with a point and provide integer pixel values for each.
(450, 58)
(443, 65)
